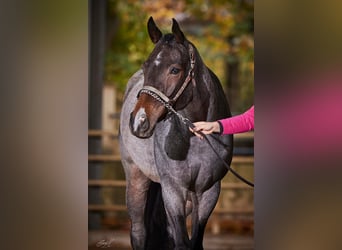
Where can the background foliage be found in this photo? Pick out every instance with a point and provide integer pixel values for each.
(221, 30)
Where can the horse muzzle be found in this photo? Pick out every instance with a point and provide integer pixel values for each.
(140, 125)
(145, 115)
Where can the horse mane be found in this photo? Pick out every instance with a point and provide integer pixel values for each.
(209, 85)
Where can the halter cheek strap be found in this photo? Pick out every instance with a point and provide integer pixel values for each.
(189, 76)
(153, 91)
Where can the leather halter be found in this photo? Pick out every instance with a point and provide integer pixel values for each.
(153, 91)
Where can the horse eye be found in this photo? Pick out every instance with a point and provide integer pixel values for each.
(174, 71)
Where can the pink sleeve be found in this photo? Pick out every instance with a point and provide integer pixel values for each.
(238, 124)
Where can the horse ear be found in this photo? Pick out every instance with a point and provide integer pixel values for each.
(153, 31)
(177, 32)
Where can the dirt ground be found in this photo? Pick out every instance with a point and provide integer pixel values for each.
(119, 240)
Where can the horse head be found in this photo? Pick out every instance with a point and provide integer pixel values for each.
(168, 70)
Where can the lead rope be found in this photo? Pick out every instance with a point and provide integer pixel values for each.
(151, 91)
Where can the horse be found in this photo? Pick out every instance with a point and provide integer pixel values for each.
(170, 173)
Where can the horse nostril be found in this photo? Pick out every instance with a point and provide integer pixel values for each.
(143, 122)
(139, 124)
(142, 118)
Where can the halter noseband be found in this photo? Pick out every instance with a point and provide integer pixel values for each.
(160, 96)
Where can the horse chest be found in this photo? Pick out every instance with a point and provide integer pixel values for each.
(185, 159)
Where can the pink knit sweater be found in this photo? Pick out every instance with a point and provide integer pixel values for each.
(238, 124)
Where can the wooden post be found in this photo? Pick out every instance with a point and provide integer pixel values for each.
(97, 29)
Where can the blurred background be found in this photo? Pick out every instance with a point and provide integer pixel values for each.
(223, 32)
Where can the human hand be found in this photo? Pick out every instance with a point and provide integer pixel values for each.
(205, 128)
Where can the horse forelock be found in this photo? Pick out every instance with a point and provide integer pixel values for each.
(176, 51)
(167, 38)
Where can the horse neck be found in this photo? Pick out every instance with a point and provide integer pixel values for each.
(209, 96)
(209, 102)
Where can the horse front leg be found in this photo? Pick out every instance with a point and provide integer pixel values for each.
(174, 198)
(136, 193)
(206, 204)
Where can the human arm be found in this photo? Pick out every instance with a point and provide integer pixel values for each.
(232, 125)
(239, 123)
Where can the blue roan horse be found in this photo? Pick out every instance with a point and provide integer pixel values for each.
(171, 173)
